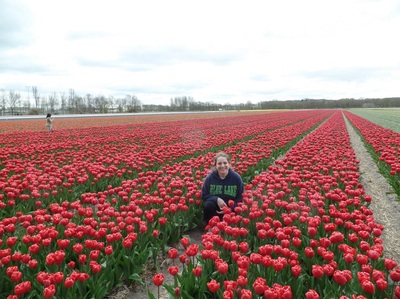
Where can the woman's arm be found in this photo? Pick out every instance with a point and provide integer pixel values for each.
(240, 190)
(205, 191)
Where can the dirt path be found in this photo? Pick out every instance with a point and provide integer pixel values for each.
(385, 207)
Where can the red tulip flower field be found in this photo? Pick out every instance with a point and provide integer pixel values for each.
(384, 144)
(85, 208)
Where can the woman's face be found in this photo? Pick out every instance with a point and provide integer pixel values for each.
(222, 165)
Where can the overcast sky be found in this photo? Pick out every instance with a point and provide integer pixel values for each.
(214, 51)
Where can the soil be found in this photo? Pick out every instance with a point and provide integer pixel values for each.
(384, 204)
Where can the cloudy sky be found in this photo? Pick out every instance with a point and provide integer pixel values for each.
(214, 51)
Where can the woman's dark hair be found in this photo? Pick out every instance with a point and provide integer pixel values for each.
(48, 115)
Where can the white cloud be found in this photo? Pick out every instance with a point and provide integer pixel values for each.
(220, 51)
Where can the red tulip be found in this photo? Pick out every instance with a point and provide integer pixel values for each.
(183, 259)
(49, 291)
(395, 275)
(228, 294)
(173, 270)
(78, 248)
(245, 294)
(69, 282)
(34, 248)
(390, 264)
(33, 263)
(16, 276)
(373, 254)
(362, 259)
(244, 247)
(22, 288)
(213, 286)
(95, 267)
(177, 292)
(397, 292)
(242, 281)
(312, 231)
(230, 285)
(368, 287)
(222, 266)
(11, 241)
(158, 279)
(63, 243)
(317, 271)
(197, 271)
(94, 254)
(381, 284)
(108, 250)
(309, 252)
(82, 258)
(348, 257)
(339, 278)
(173, 253)
(311, 294)
(259, 285)
(192, 250)
(255, 258)
(185, 242)
(328, 270)
(296, 270)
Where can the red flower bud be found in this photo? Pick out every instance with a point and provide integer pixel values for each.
(158, 279)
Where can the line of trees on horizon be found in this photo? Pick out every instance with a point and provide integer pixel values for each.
(11, 103)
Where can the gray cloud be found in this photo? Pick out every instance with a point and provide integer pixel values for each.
(24, 65)
(14, 26)
(353, 74)
(79, 35)
(144, 59)
(236, 53)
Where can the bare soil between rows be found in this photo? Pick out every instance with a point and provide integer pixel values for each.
(384, 204)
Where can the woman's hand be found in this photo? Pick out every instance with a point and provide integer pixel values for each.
(221, 204)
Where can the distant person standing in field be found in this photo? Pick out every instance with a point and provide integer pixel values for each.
(49, 122)
(221, 185)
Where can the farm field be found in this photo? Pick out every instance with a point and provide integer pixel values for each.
(383, 143)
(388, 118)
(8, 125)
(88, 206)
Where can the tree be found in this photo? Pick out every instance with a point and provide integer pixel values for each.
(249, 105)
(184, 103)
(121, 104)
(101, 104)
(71, 100)
(53, 101)
(3, 102)
(13, 98)
(36, 96)
(43, 104)
(79, 106)
(134, 104)
(110, 103)
(89, 103)
(63, 102)
(26, 104)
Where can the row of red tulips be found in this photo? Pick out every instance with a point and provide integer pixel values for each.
(43, 165)
(66, 247)
(303, 231)
(384, 143)
(62, 122)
